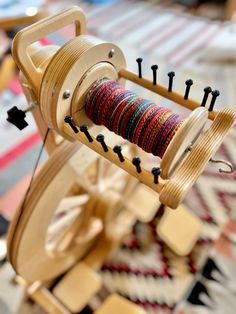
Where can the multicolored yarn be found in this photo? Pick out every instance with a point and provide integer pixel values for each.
(136, 119)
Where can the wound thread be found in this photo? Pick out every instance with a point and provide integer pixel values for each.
(136, 119)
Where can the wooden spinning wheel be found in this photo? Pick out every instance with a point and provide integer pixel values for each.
(81, 205)
(78, 197)
(59, 81)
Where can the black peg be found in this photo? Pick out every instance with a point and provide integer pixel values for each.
(84, 129)
(171, 78)
(215, 94)
(136, 162)
(154, 69)
(188, 83)
(139, 61)
(101, 139)
(156, 171)
(207, 91)
(117, 149)
(70, 121)
(17, 117)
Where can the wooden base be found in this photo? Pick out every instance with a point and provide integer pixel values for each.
(179, 229)
(78, 287)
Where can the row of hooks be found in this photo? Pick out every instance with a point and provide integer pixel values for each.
(207, 90)
(117, 149)
(136, 161)
(17, 116)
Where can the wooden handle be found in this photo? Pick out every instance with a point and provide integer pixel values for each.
(33, 33)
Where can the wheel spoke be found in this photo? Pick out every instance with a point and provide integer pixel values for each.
(69, 234)
(67, 213)
(58, 227)
(131, 184)
(85, 183)
(72, 201)
(101, 163)
(117, 176)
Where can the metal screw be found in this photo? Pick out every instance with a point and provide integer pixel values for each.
(84, 129)
(188, 83)
(70, 121)
(66, 94)
(139, 61)
(215, 94)
(156, 171)
(136, 162)
(101, 139)
(207, 91)
(117, 149)
(154, 69)
(171, 78)
(111, 53)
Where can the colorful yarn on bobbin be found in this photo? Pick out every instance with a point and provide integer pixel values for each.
(136, 119)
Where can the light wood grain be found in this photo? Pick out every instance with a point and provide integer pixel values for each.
(77, 287)
(7, 71)
(179, 229)
(175, 189)
(45, 299)
(38, 30)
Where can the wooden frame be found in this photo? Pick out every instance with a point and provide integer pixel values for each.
(57, 79)
(88, 59)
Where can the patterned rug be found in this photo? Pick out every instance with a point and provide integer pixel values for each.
(144, 270)
(147, 272)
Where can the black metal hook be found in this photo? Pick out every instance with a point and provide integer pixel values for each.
(156, 171)
(136, 161)
(70, 121)
(207, 91)
(188, 83)
(154, 70)
(171, 78)
(117, 149)
(139, 61)
(101, 139)
(84, 129)
(215, 94)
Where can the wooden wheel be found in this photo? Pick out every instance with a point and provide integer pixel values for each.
(76, 196)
